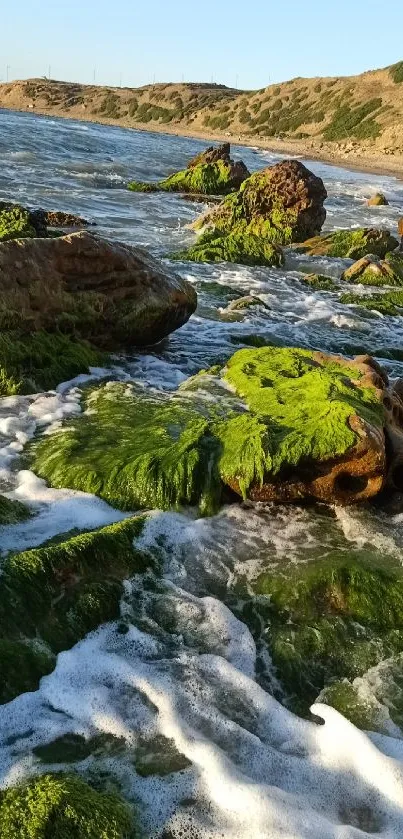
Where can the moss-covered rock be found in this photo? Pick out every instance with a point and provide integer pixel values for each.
(57, 593)
(63, 807)
(212, 172)
(329, 620)
(353, 244)
(369, 272)
(378, 200)
(242, 248)
(319, 281)
(42, 360)
(283, 204)
(275, 416)
(15, 223)
(12, 511)
(389, 303)
(108, 293)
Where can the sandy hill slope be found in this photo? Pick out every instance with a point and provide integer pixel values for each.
(354, 117)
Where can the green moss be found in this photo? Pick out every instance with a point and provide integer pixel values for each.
(319, 281)
(136, 450)
(63, 807)
(368, 272)
(353, 244)
(242, 248)
(41, 360)
(346, 698)
(390, 303)
(57, 594)
(12, 511)
(15, 223)
(329, 620)
(205, 179)
(22, 665)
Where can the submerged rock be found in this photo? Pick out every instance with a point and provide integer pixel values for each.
(83, 575)
(389, 303)
(274, 424)
(108, 293)
(212, 172)
(63, 806)
(319, 281)
(283, 204)
(327, 620)
(378, 200)
(354, 244)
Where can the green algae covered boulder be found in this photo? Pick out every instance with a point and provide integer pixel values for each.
(242, 248)
(12, 511)
(319, 281)
(388, 303)
(367, 271)
(273, 424)
(378, 200)
(353, 244)
(329, 620)
(213, 172)
(63, 807)
(283, 204)
(53, 595)
(41, 360)
(16, 223)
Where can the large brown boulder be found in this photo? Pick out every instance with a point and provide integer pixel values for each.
(109, 293)
(283, 203)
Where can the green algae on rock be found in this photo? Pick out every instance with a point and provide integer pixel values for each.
(378, 200)
(108, 293)
(63, 806)
(319, 281)
(41, 360)
(353, 244)
(240, 248)
(12, 511)
(57, 593)
(329, 620)
(282, 204)
(283, 423)
(15, 223)
(210, 173)
(389, 303)
(367, 271)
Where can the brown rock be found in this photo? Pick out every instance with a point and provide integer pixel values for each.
(378, 200)
(284, 201)
(110, 293)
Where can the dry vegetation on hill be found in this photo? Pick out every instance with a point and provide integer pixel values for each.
(356, 117)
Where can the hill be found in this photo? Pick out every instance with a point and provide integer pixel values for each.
(358, 118)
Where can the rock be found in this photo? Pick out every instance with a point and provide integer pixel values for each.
(212, 172)
(378, 200)
(283, 204)
(353, 244)
(326, 620)
(84, 575)
(238, 308)
(63, 805)
(319, 281)
(390, 303)
(18, 222)
(368, 272)
(278, 424)
(240, 248)
(111, 294)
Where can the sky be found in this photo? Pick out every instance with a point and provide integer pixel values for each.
(245, 45)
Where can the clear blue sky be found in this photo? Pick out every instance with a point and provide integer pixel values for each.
(248, 43)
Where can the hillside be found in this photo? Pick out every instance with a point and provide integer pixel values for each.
(358, 118)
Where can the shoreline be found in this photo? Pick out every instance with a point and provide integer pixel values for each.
(305, 150)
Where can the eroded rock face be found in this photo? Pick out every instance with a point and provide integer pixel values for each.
(283, 203)
(274, 424)
(109, 293)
